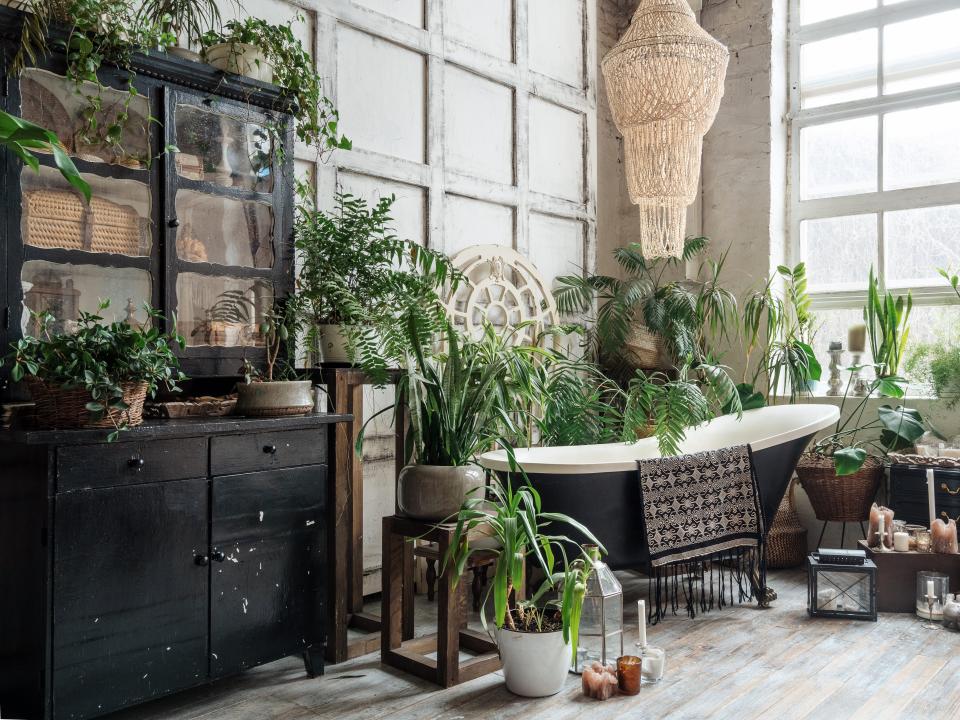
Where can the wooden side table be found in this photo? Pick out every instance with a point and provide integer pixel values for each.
(397, 649)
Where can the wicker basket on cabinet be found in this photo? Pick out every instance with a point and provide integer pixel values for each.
(846, 498)
(65, 408)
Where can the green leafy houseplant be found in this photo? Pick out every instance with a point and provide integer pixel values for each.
(186, 20)
(294, 71)
(21, 137)
(99, 358)
(937, 363)
(357, 274)
(888, 326)
(523, 533)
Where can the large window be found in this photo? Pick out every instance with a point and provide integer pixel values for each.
(875, 167)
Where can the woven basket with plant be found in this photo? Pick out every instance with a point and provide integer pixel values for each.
(97, 376)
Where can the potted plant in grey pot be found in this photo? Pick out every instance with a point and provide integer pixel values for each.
(537, 638)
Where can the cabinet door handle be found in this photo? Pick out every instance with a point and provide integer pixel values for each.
(201, 560)
(218, 555)
(173, 222)
(136, 463)
(946, 489)
(270, 449)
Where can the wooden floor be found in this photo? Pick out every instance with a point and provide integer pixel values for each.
(738, 663)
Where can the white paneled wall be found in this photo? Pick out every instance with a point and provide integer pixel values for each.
(479, 115)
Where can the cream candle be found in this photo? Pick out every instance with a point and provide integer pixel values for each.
(901, 542)
(652, 664)
(930, 588)
(931, 497)
(857, 338)
(642, 623)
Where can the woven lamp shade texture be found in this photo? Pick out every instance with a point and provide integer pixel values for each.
(665, 81)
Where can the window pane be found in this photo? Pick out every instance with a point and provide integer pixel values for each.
(918, 242)
(922, 52)
(930, 325)
(221, 311)
(812, 11)
(224, 231)
(838, 158)
(921, 146)
(839, 251)
(219, 148)
(839, 69)
(117, 220)
(64, 290)
(833, 325)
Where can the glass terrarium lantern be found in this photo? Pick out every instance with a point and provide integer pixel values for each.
(842, 591)
(601, 622)
(932, 589)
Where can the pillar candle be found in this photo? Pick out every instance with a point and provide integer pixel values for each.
(642, 622)
(857, 339)
(931, 497)
(944, 537)
(878, 513)
(901, 542)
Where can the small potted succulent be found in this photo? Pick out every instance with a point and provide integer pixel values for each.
(276, 392)
(98, 375)
(537, 637)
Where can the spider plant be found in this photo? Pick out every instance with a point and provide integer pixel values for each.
(888, 326)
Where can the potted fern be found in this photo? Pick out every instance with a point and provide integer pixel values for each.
(537, 638)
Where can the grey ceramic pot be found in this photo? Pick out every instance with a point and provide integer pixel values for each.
(275, 399)
(435, 492)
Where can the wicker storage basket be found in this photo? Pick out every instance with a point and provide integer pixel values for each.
(54, 219)
(114, 228)
(60, 408)
(645, 348)
(787, 539)
(839, 499)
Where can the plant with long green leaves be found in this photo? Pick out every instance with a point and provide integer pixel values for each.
(888, 326)
(687, 314)
(99, 357)
(667, 408)
(23, 138)
(854, 439)
(187, 20)
(524, 533)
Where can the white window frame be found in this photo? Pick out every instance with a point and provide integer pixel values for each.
(866, 203)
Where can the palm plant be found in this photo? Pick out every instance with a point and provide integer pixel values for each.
(888, 326)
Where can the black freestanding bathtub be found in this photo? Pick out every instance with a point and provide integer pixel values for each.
(598, 484)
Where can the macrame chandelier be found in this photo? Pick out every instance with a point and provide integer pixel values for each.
(665, 80)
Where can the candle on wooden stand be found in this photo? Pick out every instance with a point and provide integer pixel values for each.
(931, 497)
(857, 338)
(878, 534)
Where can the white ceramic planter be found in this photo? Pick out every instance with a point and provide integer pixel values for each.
(333, 344)
(534, 664)
(240, 59)
(435, 492)
(275, 399)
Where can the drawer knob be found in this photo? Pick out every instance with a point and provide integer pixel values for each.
(136, 463)
(270, 449)
(218, 555)
(201, 560)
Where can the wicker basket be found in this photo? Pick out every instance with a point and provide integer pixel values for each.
(59, 219)
(114, 228)
(65, 409)
(839, 499)
(645, 348)
(787, 539)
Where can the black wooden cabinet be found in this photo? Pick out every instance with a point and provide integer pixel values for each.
(908, 493)
(185, 552)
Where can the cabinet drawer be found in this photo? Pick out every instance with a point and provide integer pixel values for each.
(231, 454)
(130, 463)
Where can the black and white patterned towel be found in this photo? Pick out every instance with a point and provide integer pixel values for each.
(700, 505)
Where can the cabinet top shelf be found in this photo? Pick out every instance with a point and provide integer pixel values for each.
(185, 427)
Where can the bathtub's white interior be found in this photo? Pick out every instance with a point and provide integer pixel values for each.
(761, 428)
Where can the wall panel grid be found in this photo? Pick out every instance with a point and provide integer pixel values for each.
(480, 116)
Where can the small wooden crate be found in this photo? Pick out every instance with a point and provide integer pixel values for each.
(897, 576)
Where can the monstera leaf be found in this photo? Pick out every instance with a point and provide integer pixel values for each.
(848, 460)
(902, 427)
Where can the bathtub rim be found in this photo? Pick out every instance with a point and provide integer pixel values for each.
(497, 459)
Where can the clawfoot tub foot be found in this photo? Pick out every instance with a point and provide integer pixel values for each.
(764, 594)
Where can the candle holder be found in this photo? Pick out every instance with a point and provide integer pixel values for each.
(653, 662)
(932, 589)
(859, 385)
(836, 357)
(629, 673)
(923, 541)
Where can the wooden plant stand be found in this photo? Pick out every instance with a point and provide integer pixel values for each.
(345, 567)
(398, 648)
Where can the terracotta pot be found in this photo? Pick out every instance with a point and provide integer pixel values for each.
(534, 664)
(436, 492)
(240, 59)
(275, 399)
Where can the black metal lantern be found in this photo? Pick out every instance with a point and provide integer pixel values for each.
(839, 590)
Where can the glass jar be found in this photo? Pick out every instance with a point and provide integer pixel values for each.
(932, 590)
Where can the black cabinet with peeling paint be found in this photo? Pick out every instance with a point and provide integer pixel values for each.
(186, 552)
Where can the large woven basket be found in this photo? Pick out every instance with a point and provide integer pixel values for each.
(644, 348)
(787, 539)
(59, 408)
(59, 219)
(839, 499)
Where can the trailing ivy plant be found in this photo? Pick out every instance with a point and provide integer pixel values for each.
(293, 70)
(99, 357)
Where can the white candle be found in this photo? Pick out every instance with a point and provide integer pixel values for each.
(642, 622)
(901, 541)
(881, 531)
(652, 664)
(931, 501)
(930, 592)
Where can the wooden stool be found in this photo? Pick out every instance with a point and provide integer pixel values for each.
(479, 564)
(397, 612)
